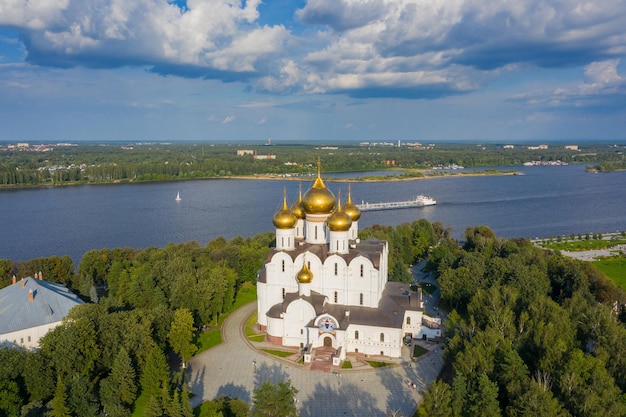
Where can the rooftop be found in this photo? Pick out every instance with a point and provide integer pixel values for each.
(34, 302)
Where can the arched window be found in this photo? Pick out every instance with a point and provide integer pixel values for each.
(361, 299)
(382, 337)
(283, 293)
(283, 265)
(315, 232)
(336, 268)
(362, 270)
(308, 264)
(408, 320)
(337, 245)
(356, 335)
(336, 296)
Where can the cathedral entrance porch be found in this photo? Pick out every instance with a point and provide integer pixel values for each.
(328, 342)
(323, 358)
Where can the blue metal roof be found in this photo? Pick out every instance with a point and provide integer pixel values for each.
(51, 302)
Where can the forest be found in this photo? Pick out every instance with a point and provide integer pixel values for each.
(529, 332)
(94, 163)
(145, 311)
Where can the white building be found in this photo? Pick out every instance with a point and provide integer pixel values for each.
(322, 286)
(31, 307)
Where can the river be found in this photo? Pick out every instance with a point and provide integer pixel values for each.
(545, 201)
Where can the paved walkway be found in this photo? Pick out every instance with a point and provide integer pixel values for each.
(235, 368)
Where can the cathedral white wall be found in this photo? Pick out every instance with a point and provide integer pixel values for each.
(261, 296)
(298, 315)
(369, 340)
(275, 327)
(285, 239)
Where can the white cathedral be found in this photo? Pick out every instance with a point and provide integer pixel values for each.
(322, 286)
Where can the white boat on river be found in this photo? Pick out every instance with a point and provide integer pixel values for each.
(419, 201)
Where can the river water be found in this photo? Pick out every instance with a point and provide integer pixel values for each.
(545, 201)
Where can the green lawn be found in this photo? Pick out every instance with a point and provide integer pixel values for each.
(582, 245)
(246, 294)
(213, 337)
(346, 365)
(279, 353)
(206, 340)
(375, 364)
(418, 351)
(614, 268)
(251, 333)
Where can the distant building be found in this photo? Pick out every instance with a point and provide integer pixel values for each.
(31, 307)
(571, 147)
(508, 147)
(538, 147)
(264, 157)
(242, 152)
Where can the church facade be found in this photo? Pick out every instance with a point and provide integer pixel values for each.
(322, 286)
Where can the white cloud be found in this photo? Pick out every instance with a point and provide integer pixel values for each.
(408, 48)
(228, 119)
(602, 87)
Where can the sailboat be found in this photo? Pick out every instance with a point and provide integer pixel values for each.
(178, 196)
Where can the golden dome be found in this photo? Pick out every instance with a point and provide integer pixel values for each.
(339, 221)
(304, 276)
(350, 209)
(318, 199)
(298, 207)
(284, 218)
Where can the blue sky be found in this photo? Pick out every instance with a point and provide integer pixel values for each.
(312, 70)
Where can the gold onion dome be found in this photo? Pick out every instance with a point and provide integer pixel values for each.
(339, 221)
(298, 207)
(352, 210)
(304, 276)
(318, 199)
(284, 218)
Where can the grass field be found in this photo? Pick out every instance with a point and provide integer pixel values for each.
(375, 364)
(614, 268)
(279, 353)
(206, 340)
(583, 244)
(418, 351)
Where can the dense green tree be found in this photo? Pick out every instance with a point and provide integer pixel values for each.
(587, 389)
(437, 401)
(71, 347)
(155, 375)
(181, 335)
(81, 399)
(274, 400)
(119, 390)
(537, 400)
(6, 272)
(38, 376)
(484, 400)
(58, 405)
(10, 398)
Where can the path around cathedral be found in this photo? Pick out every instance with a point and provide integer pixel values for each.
(235, 367)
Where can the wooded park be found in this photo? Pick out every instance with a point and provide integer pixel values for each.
(529, 331)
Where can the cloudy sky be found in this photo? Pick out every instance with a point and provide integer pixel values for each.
(504, 70)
